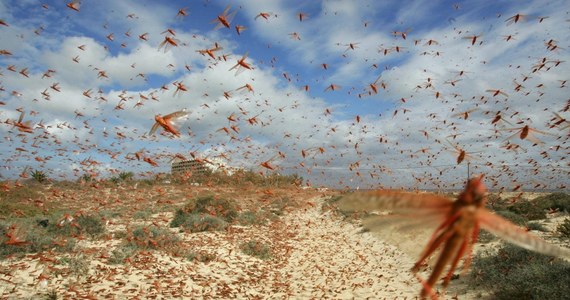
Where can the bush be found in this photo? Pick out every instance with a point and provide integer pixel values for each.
(152, 237)
(531, 210)
(564, 228)
(87, 178)
(513, 217)
(205, 214)
(39, 176)
(213, 206)
(278, 205)
(253, 218)
(257, 249)
(78, 265)
(126, 176)
(201, 256)
(495, 202)
(37, 239)
(516, 273)
(536, 226)
(559, 201)
(142, 214)
(195, 222)
(91, 225)
(120, 254)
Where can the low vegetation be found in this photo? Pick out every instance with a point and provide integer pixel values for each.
(257, 249)
(39, 176)
(516, 273)
(564, 229)
(58, 231)
(208, 213)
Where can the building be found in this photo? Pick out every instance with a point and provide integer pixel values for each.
(194, 167)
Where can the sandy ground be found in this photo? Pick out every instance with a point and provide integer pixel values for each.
(314, 255)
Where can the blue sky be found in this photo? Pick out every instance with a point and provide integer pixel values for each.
(408, 131)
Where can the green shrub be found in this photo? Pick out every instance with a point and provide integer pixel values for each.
(142, 214)
(39, 176)
(120, 254)
(37, 239)
(51, 295)
(214, 206)
(201, 256)
(195, 222)
(531, 210)
(253, 218)
(87, 178)
(564, 228)
(205, 214)
(78, 265)
(513, 217)
(485, 237)
(495, 202)
(82, 224)
(516, 273)
(257, 249)
(152, 237)
(91, 225)
(126, 176)
(559, 201)
(536, 226)
(278, 205)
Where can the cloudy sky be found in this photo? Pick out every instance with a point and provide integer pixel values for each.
(343, 93)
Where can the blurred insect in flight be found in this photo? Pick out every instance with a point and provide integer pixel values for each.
(458, 230)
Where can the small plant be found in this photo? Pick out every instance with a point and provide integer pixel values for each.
(516, 273)
(142, 214)
(278, 205)
(78, 265)
(51, 295)
(120, 254)
(70, 226)
(564, 228)
(513, 217)
(87, 177)
(152, 237)
(485, 237)
(194, 222)
(39, 176)
(257, 249)
(205, 214)
(126, 176)
(555, 201)
(37, 239)
(214, 206)
(201, 256)
(252, 218)
(536, 226)
(91, 225)
(531, 210)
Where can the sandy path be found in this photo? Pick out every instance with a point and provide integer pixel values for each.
(331, 259)
(314, 255)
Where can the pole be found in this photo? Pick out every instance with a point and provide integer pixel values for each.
(468, 174)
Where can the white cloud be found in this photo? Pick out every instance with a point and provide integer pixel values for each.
(289, 120)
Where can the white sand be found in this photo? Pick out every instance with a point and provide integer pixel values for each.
(314, 255)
